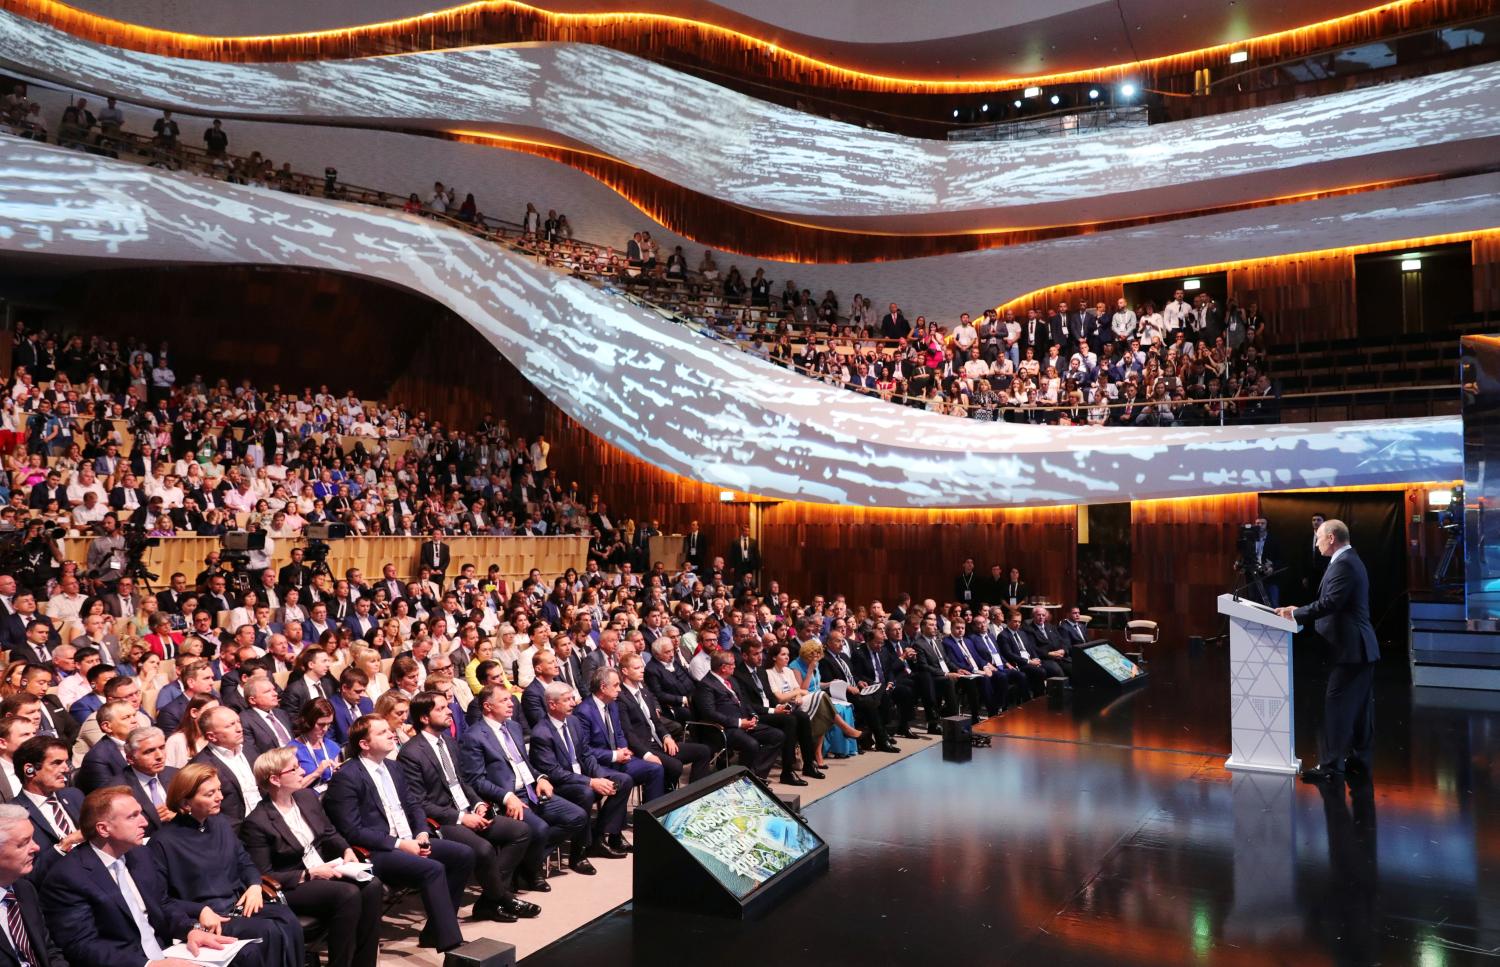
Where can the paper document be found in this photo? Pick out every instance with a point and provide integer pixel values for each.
(870, 690)
(839, 689)
(207, 957)
(358, 872)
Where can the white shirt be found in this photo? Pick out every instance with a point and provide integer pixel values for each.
(302, 833)
(394, 815)
(568, 742)
(519, 767)
(243, 774)
(455, 789)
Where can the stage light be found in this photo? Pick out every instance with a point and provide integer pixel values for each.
(1017, 103)
(1127, 90)
(955, 112)
(1093, 93)
(1056, 100)
(726, 496)
(1411, 265)
(985, 108)
(1188, 285)
(1239, 57)
(1032, 92)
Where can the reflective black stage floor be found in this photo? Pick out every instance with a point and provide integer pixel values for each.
(1109, 833)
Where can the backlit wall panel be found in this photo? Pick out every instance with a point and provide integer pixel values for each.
(771, 158)
(691, 406)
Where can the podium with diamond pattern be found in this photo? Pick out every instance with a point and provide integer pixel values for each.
(1260, 688)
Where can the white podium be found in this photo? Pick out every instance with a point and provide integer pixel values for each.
(1260, 688)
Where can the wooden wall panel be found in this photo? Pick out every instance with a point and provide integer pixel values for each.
(1312, 295)
(1182, 559)
(1487, 273)
(869, 554)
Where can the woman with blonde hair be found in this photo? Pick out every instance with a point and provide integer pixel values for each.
(395, 708)
(368, 661)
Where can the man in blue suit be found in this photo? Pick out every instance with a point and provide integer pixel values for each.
(367, 801)
(41, 763)
(1342, 616)
(534, 699)
(978, 687)
(106, 904)
(351, 703)
(600, 716)
(560, 751)
(492, 760)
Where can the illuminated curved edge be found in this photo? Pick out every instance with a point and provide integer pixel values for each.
(685, 404)
(772, 159)
(119, 33)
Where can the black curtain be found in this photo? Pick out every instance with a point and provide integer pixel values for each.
(1375, 529)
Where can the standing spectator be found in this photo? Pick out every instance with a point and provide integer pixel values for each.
(215, 139)
(167, 132)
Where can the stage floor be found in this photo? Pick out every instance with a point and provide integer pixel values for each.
(1109, 833)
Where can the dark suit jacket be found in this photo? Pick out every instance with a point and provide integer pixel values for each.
(47, 953)
(1342, 611)
(62, 720)
(341, 719)
(891, 665)
(13, 637)
(273, 848)
(741, 562)
(233, 807)
(41, 829)
(87, 914)
(169, 716)
(1010, 649)
(745, 680)
(353, 803)
(549, 756)
(636, 724)
(1045, 638)
(297, 694)
(425, 775)
(482, 763)
(928, 655)
(669, 687)
(444, 557)
(695, 548)
(713, 701)
(129, 780)
(103, 763)
(596, 735)
(259, 734)
(534, 702)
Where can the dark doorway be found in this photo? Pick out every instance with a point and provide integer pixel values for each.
(1159, 291)
(1376, 530)
(1413, 290)
(1104, 557)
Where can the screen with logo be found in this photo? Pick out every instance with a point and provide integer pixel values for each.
(1121, 668)
(741, 835)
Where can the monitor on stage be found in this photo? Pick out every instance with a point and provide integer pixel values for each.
(1102, 666)
(724, 845)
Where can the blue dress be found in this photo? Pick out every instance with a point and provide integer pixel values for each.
(835, 742)
(310, 758)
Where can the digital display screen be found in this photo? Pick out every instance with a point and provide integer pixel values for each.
(741, 835)
(1122, 669)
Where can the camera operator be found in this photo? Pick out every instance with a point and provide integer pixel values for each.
(1260, 556)
(39, 558)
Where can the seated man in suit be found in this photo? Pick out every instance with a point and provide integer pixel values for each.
(197, 678)
(559, 751)
(227, 753)
(264, 723)
(1019, 651)
(42, 766)
(26, 933)
(875, 660)
(36, 644)
(757, 695)
(935, 677)
(493, 761)
(351, 703)
(147, 774)
(717, 700)
(978, 684)
(667, 677)
(499, 843)
(1073, 630)
(605, 733)
(1048, 643)
(534, 698)
(869, 715)
(107, 904)
(1006, 679)
(371, 807)
(105, 762)
(651, 735)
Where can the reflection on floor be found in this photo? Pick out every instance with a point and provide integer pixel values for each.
(1107, 832)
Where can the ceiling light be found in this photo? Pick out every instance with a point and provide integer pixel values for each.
(985, 108)
(1093, 93)
(1439, 498)
(1032, 92)
(726, 496)
(1127, 90)
(1411, 265)
(1016, 103)
(1239, 57)
(955, 112)
(1056, 100)
(1190, 284)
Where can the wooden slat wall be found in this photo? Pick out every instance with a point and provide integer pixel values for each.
(1311, 295)
(1182, 559)
(1487, 273)
(869, 554)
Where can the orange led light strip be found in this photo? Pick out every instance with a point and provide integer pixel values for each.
(642, 29)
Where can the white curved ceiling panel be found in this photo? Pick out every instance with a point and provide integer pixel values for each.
(651, 387)
(774, 159)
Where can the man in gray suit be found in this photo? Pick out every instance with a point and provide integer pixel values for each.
(1342, 616)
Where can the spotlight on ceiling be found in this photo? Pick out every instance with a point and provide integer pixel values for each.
(1127, 90)
(955, 112)
(1093, 93)
(985, 108)
(1016, 103)
(1239, 57)
(1411, 265)
(1055, 100)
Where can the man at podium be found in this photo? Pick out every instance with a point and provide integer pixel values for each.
(1341, 614)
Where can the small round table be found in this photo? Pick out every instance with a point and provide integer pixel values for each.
(1110, 612)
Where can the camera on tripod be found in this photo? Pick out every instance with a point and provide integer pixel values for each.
(1250, 563)
(318, 536)
(136, 543)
